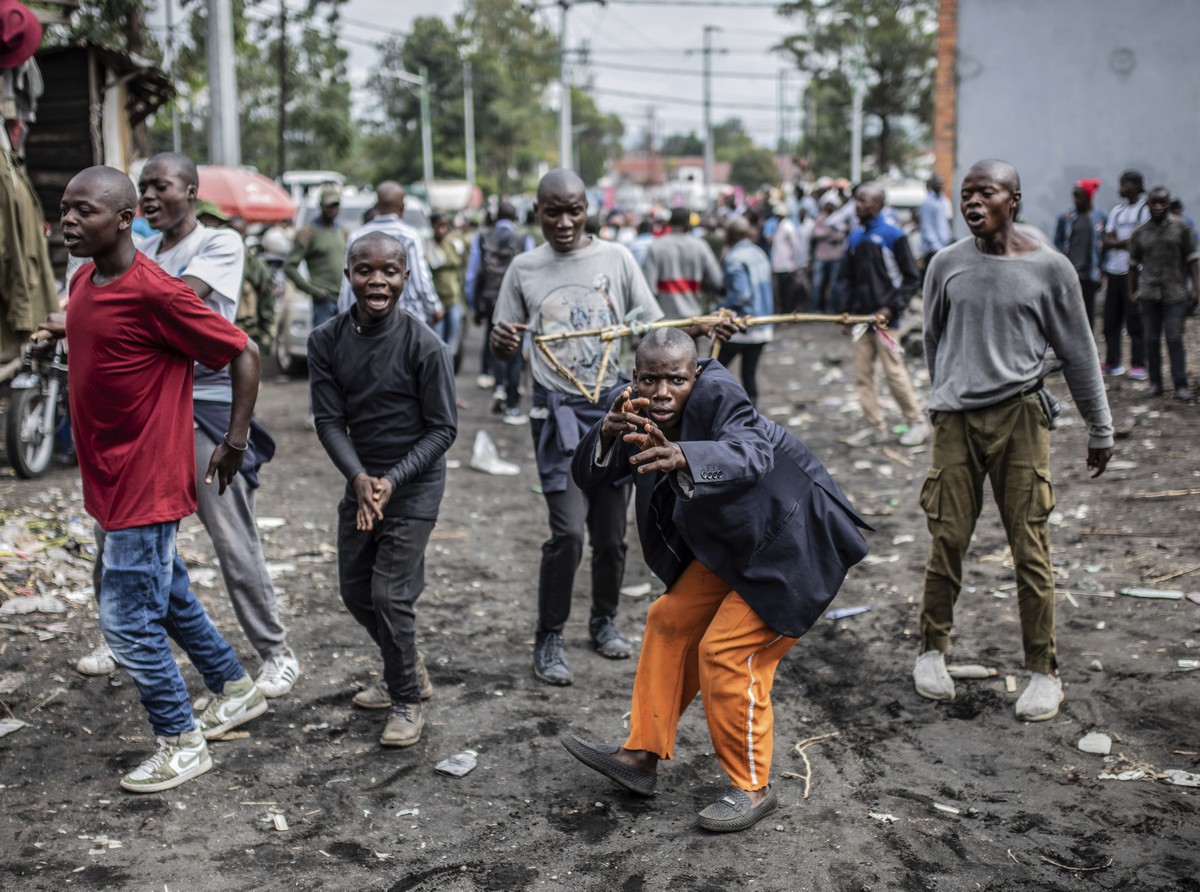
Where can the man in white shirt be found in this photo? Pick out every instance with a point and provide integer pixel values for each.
(791, 260)
(1119, 308)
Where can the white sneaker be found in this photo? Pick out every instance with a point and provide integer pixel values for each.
(930, 677)
(499, 398)
(515, 416)
(278, 675)
(868, 436)
(1041, 698)
(99, 662)
(485, 382)
(178, 759)
(240, 702)
(917, 433)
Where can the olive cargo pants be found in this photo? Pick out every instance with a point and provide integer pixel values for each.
(1009, 444)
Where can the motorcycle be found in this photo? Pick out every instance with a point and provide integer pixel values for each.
(38, 415)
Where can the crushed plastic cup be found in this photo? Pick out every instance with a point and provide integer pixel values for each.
(457, 765)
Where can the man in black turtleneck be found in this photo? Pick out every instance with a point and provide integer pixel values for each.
(383, 401)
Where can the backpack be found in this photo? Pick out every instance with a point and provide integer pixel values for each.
(498, 248)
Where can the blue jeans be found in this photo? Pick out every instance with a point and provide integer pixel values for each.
(144, 598)
(827, 274)
(450, 328)
(323, 311)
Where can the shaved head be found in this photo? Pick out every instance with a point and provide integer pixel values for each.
(671, 340)
(738, 229)
(107, 186)
(180, 165)
(378, 240)
(389, 197)
(1000, 171)
(560, 182)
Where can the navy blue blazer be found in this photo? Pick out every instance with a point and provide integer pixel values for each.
(763, 514)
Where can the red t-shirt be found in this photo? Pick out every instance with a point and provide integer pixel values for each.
(133, 342)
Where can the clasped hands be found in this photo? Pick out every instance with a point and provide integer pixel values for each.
(373, 494)
(655, 451)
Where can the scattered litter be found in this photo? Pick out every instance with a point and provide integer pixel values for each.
(233, 735)
(1104, 866)
(1189, 664)
(1135, 774)
(1010, 683)
(800, 420)
(1194, 597)
(903, 539)
(881, 559)
(485, 458)
(786, 410)
(862, 465)
(1120, 465)
(843, 612)
(1096, 666)
(948, 809)
(1096, 743)
(882, 817)
(971, 670)
(324, 726)
(636, 590)
(1181, 778)
(280, 568)
(408, 812)
(457, 765)
(1093, 568)
(800, 749)
(7, 726)
(280, 822)
(270, 523)
(1162, 594)
(453, 464)
(43, 604)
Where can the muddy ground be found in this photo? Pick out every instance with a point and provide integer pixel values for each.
(908, 795)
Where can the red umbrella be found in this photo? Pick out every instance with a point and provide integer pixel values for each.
(246, 194)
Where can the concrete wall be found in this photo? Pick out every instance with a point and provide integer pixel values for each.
(1080, 88)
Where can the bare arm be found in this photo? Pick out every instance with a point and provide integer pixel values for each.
(245, 372)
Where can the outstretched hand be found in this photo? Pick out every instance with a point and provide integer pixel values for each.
(657, 452)
(623, 417)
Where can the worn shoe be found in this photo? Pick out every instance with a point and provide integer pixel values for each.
(1152, 390)
(404, 725)
(1041, 698)
(1113, 371)
(240, 702)
(99, 662)
(868, 436)
(917, 433)
(549, 659)
(499, 398)
(607, 638)
(1185, 393)
(733, 811)
(376, 695)
(930, 677)
(599, 757)
(1137, 373)
(485, 382)
(515, 416)
(179, 759)
(278, 675)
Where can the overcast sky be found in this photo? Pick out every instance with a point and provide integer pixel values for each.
(623, 33)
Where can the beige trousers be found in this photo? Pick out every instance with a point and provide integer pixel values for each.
(867, 349)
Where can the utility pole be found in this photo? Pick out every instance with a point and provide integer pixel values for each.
(426, 132)
(281, 161)
(856, 117)
(708, 126)
(469, 120)
(176, 141)
(564, 105)
(224, 138)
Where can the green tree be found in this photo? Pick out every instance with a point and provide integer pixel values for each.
(754, 167)
(682, 144)
(597, 136)
(894, 41)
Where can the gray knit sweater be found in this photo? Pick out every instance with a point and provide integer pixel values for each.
(990, 323)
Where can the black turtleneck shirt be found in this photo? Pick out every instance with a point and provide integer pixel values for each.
(383, 402)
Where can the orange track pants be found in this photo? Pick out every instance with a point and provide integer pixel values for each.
(701, 636)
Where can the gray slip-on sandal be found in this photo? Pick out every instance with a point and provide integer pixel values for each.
(733, 811)
(599, 757)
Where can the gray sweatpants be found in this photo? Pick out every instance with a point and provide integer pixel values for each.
(229, 521)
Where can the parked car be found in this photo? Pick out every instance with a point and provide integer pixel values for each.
(295, 312)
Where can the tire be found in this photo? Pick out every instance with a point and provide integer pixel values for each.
(292, 366)
(30, 447)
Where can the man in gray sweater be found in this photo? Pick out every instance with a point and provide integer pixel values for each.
(996, 304)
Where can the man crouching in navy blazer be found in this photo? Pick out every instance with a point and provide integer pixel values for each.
(751, 537)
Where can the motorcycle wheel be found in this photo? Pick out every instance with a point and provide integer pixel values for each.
(30, 444)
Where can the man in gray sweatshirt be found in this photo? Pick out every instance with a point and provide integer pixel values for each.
(996, 304)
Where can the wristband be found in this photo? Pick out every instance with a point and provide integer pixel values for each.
(232, 446)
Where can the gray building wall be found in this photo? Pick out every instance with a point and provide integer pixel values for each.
(1066, 89)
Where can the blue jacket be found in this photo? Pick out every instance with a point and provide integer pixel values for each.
(880, 270)
(760, 511)
(1062, 236)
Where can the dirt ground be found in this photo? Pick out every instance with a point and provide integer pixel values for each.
(908, 795)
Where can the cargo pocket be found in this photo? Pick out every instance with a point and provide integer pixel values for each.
(1041, 500)
(931, 494)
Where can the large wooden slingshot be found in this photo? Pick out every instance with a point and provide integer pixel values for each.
(611, 336)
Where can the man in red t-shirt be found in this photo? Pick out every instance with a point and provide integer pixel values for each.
(135, 332)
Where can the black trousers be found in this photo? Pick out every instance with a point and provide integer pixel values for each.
(1120, 311)
(603, 516)
(381, 573)
(750, 354)
(506, 371)
(1089, 289)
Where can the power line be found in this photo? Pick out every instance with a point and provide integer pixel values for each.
(673, 100)
(650, 69)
